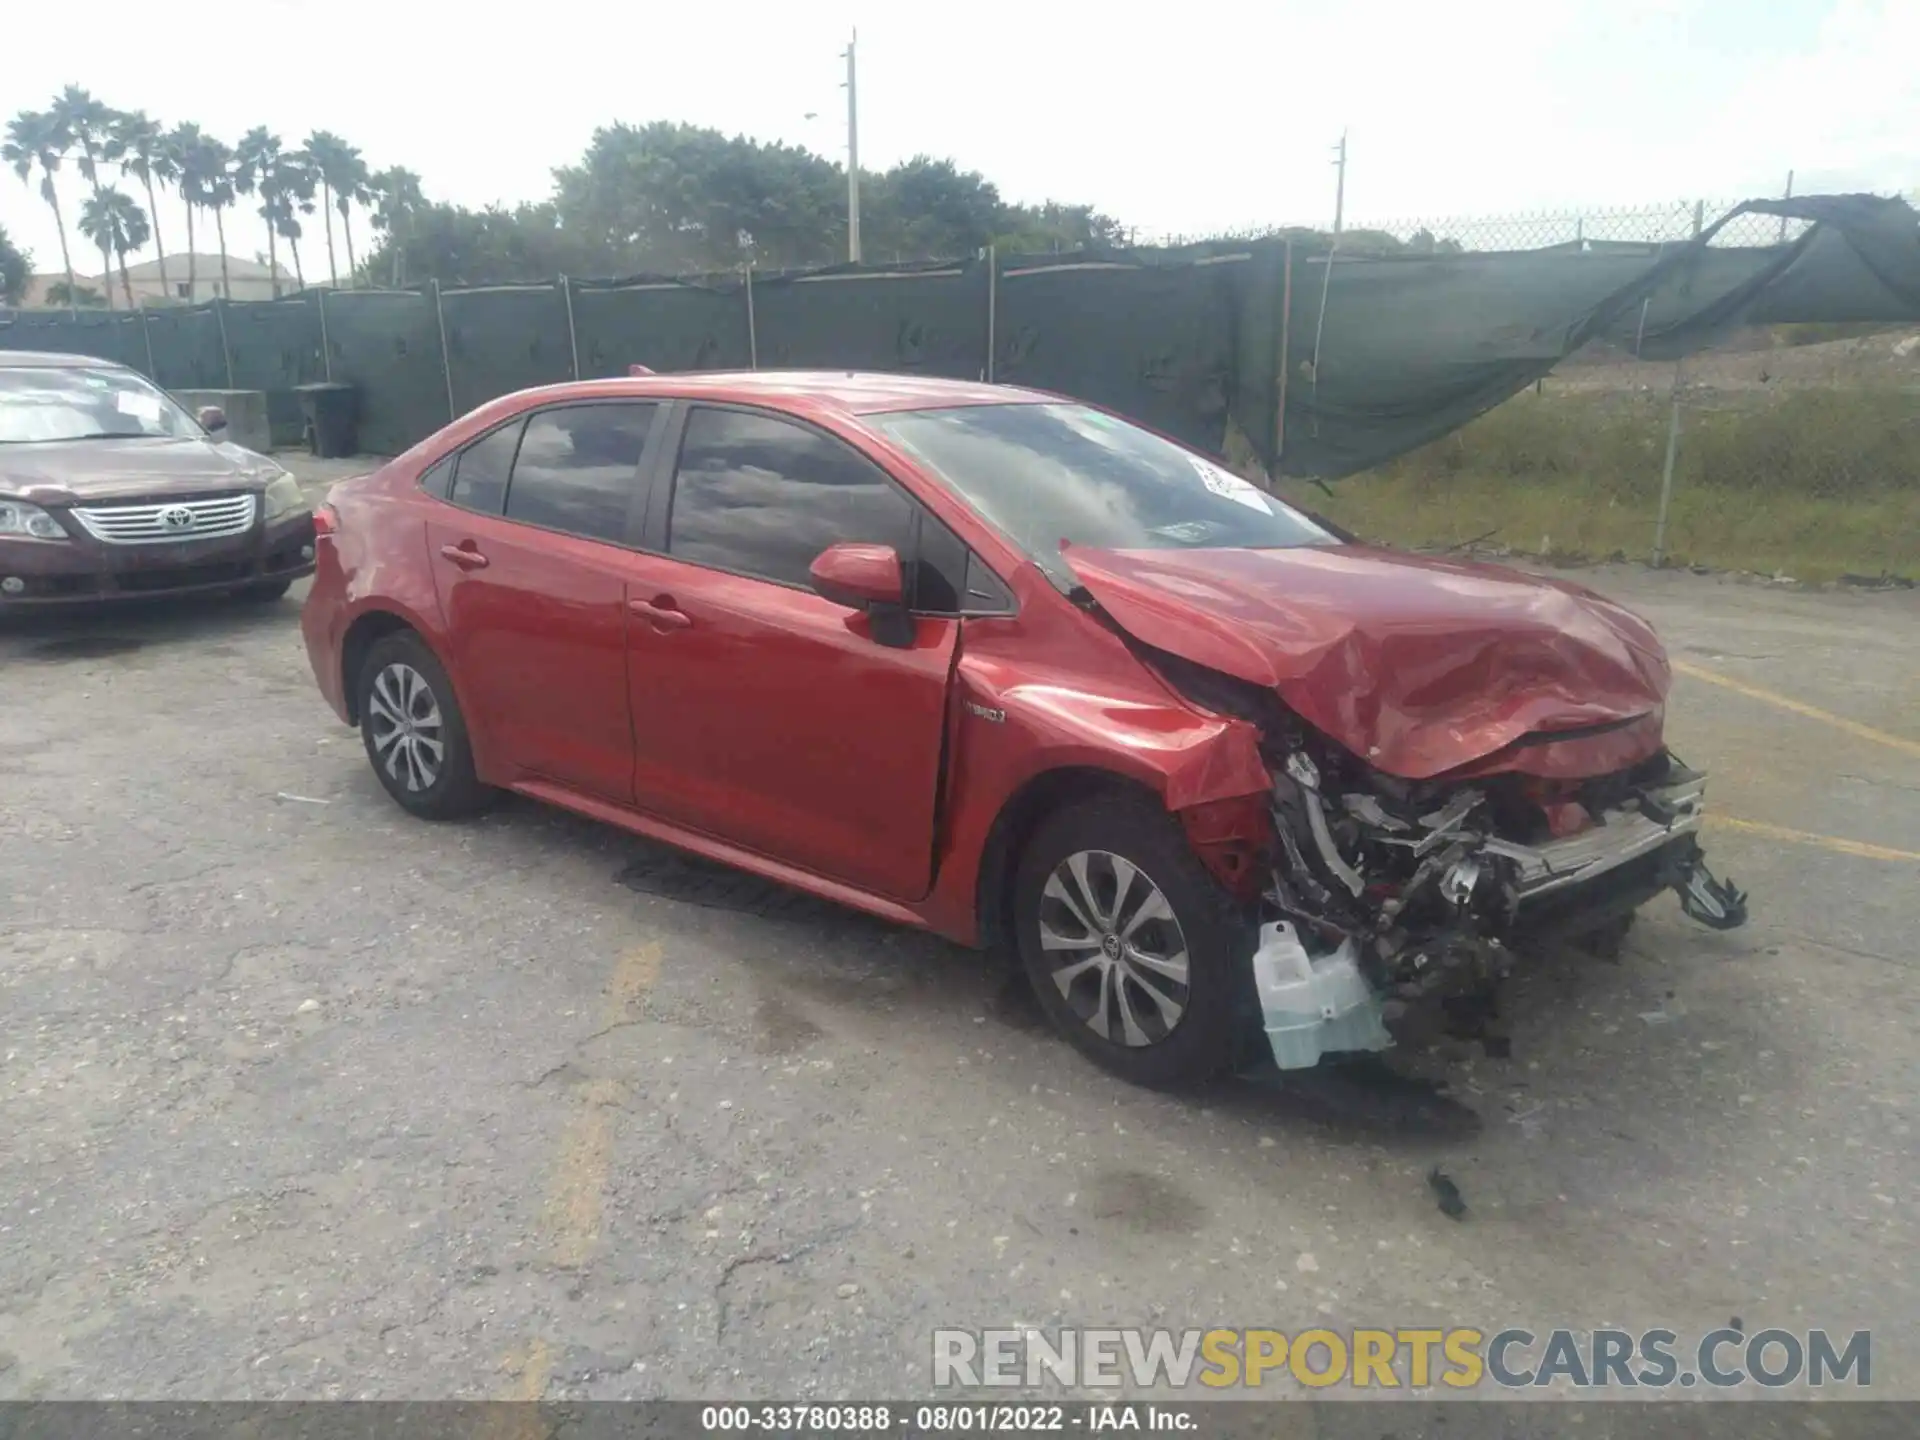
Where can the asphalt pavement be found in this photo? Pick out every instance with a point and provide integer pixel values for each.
(301, 1098)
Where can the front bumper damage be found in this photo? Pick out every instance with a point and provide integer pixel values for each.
(1425, 890)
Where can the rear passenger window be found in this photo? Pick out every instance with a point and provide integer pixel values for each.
(765, 496)
(480, 474)
(437, 476)
(577, 469)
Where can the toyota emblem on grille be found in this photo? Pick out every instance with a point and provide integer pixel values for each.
(177, 519)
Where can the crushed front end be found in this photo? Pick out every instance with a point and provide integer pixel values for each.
(1427, 889)
(1461, 758)
(1435, 883)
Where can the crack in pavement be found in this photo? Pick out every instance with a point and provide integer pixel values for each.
(769, 1257)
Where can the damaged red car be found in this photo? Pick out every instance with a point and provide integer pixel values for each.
(1015, 670)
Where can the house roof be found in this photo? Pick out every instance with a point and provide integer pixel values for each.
(237, 267)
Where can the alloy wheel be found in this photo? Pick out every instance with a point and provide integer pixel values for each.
(1114, 948)
(409, 739)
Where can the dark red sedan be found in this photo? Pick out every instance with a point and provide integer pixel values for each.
(109, 490)
(1012, 669)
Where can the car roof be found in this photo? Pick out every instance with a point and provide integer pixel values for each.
(51, 360)
(851, 391)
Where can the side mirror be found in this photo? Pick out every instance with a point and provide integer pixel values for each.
(858, 576)
(867, 578)
(212, 419)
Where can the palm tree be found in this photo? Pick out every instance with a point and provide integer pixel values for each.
(114, 221)
(137, 144)
(257, 161)
(36, 140)
(343, 183)
(216, 162)
(88, 126)
(396, 199)
(294, 181)
(186, 150)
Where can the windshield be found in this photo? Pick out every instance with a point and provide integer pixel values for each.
(1047, 473)
(56, 403)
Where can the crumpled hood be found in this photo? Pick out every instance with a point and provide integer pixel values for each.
(83, 471)
(1417, 665)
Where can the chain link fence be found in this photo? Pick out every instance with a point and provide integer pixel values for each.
(1786, 451)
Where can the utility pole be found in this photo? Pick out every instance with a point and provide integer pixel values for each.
(1340, 184)
(853, 154)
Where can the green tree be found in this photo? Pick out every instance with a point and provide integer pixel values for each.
(16, 269)
(257, 161)
(114, 221)
(343, 184)
(137, 144)
(925, 208)
(36, 140)
(82, 297)
(396, 199)
(669, 197)
(457, 246)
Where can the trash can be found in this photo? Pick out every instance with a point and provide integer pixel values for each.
(328, 409)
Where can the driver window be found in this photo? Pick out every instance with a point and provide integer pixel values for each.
(762, 496)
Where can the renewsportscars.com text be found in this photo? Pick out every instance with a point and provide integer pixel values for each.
(1461, 1358)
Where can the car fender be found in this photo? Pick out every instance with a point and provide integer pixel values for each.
(1052, 691)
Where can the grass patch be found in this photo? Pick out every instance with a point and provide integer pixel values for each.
(1816, 483)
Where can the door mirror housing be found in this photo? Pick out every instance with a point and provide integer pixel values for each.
(212, 419)
(866, 578)
(858, 576)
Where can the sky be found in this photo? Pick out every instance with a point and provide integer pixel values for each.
(1177, 119)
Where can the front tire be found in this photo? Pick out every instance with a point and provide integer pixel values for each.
(415, 735)
(1136, 953)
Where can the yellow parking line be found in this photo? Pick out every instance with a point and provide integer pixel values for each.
(1806, 837)
(531, 1373)
(586, 1144)
(1798, 707)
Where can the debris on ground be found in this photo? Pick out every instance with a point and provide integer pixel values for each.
(1446, 1193)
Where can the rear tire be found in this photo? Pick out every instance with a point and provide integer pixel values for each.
(1137, 954)
(415, 735)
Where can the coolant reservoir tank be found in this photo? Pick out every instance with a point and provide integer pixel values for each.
(1313, 1006)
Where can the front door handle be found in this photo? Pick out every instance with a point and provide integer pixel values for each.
(465, 557)
(662, 613)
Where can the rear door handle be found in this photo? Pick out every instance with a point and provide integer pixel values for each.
(662, 613)
(465, 558)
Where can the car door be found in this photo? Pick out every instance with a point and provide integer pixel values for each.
(762, 713)
(529, 560)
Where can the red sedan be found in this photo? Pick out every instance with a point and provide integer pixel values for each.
(1012, 669)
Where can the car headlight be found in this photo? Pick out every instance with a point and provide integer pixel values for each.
(284, 496)
(28, 522)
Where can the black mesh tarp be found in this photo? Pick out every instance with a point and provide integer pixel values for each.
(505, 338)
(924, 320)
(109, 335)
(186, 349)
(1152, 341)
(386, 343)
(1410, 349)
(275, 345)
(664, 324)
(1380, 354)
